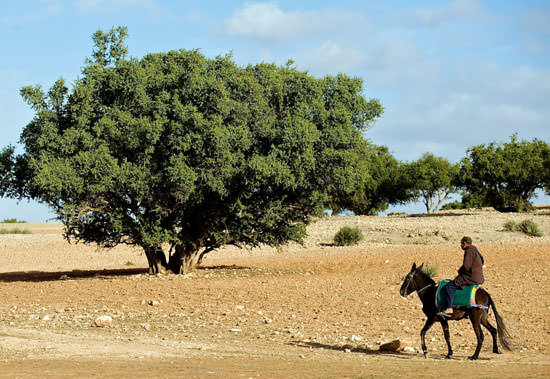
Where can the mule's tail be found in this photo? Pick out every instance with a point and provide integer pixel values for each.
(503, 334)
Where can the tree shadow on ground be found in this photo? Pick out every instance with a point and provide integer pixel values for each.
(48, 276)
(222, 267)
(430, 215)
(351, 349)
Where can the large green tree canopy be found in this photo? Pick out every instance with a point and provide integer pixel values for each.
(505, 175)
(176, 149)
(433, 180)
(381, 181)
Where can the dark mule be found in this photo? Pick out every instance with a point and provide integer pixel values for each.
(417, 280)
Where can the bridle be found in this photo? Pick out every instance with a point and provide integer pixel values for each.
(419, 291)
(424, 288)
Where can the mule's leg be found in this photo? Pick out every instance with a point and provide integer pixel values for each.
(485, 322)
(427, 325)
(475, 318)
(445, 326)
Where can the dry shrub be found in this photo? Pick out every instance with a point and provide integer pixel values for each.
(347, 236)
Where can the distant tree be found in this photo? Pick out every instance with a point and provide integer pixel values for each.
(383, 181)
(433, 179)
(546, 169)
(505, 175)
(178, 150)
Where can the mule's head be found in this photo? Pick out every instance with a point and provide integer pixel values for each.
(410, 282)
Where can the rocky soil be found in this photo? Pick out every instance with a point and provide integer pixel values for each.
(312, 311)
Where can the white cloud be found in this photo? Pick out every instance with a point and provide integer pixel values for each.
(389, 64)
(266, 21)
(48, 9)
(331, 57)
(452, 11)
(111, 5)
(449, 112)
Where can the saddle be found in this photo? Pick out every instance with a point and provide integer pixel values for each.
(465, 297)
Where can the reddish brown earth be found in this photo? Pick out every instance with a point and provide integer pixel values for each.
(313, 311)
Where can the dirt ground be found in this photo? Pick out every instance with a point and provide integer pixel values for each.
(313, 311)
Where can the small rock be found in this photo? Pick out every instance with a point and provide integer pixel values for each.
(391, 346)
(235, 330)
(154, 303)
(355, 338)
(104, 321)
(146, 326)
(46, 318)
(408, 349)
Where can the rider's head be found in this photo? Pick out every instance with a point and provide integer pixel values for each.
(465, 242)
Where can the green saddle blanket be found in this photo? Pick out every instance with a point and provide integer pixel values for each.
(463, 297)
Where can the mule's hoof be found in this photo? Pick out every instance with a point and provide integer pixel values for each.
(449, 356)
(497, 352)
(426, 355)
(472, 358)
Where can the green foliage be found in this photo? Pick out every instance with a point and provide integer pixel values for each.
(452, 205)
(433, 179)
(546, 178)
(510, 226)
(430, 270)
(382, 181)
(396, 214)
(348, 236)
(505, 175)
(12, 221)
(530, 228)
(14, 231)
(193, 152)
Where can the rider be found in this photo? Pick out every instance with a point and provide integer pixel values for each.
(471, 272)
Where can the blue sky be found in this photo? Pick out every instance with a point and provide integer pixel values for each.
(451, 74)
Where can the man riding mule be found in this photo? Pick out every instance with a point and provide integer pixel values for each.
(419, 281)
(470, 273)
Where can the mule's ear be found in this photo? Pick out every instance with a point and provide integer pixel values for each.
(419, 268)
(413, 267)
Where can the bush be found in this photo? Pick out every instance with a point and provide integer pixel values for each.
(396, 214)
(431, 271)
(14, 231)
(347, 236)
(12, 221)
(454, 205)
(530, 228)
(510, 226)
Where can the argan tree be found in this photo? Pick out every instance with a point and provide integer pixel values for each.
(505, 175)
(382, 181)
(546, 173)
(181, 154)
(433, 179)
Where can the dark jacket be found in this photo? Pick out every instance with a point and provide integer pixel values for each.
(471, 271)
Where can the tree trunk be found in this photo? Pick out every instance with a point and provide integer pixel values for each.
(184, 259)
(156, 259)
